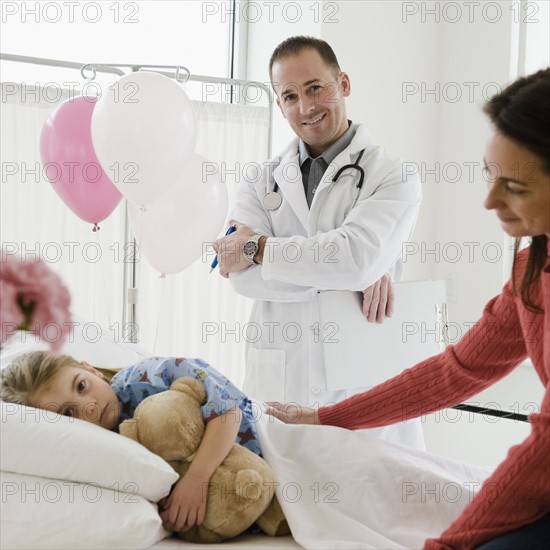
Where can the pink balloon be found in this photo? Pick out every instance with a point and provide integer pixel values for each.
(174, 230)
(70, 162)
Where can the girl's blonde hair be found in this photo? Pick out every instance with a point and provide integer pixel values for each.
(31, 373)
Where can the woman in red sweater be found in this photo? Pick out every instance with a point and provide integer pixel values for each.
(515, 513)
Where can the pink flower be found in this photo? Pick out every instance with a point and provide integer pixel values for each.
(33, 298)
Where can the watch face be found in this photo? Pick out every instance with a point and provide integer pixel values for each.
(250, 248)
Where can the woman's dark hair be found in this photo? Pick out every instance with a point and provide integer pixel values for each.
(295, 44)
(521, 112)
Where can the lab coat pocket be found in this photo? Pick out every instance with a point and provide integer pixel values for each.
(265, 375)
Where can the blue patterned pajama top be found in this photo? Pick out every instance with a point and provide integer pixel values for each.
(155, 374)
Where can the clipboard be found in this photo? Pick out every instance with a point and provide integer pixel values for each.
(362, 354)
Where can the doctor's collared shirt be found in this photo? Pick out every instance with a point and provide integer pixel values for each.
(314, 168)
(155, 374)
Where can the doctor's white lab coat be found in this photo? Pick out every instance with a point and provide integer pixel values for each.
(327, 247)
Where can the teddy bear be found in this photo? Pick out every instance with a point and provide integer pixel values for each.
(241, 490)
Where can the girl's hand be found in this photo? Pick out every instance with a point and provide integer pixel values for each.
(186, 505)
(292, 414)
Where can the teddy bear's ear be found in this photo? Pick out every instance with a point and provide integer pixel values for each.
(191, 387)
(129, 428)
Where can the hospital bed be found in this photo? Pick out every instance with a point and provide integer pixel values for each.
(70, 484)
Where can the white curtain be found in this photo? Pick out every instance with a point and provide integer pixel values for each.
(196, 313)
(192, 313)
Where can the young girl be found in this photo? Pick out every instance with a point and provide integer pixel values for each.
(107, 397)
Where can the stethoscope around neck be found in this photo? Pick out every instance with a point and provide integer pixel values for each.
(272, 199)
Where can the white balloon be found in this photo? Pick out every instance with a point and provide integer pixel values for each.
(173, 231)
(144, 133)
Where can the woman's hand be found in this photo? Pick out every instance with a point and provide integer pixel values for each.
(186, 505)
(292, 414)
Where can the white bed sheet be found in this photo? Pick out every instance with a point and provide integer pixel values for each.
(343, 489)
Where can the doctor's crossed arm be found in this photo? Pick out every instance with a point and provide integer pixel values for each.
(378, 298)
(230, 249)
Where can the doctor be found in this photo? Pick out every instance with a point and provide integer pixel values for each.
(310, 225)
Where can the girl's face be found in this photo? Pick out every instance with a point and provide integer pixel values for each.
(81, 392)
(519, 189)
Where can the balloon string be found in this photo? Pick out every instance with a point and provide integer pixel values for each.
(96, 228)
(104, 283)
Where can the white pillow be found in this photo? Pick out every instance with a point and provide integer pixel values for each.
(43, 443)
(87, 342)
(63, 450)
(49, 513)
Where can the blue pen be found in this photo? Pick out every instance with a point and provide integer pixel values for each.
(215, 262)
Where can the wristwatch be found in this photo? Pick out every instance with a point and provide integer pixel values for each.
(250, 249)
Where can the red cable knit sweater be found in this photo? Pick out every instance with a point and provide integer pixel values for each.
(518, 492)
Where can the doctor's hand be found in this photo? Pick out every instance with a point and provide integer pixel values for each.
(378, 300)
(230, 249)
(292, 414)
